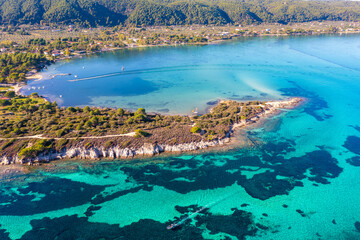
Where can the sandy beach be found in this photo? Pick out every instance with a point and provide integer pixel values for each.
(36, 76)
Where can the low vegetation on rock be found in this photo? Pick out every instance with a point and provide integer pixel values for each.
(31, 125)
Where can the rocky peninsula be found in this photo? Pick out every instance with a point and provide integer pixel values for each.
(94, 133)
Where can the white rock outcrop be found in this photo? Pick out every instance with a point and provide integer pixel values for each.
(113, 152)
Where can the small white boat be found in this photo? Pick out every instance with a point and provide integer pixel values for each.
(38, 87)
(60, 96)
(43, 87)
(75, 76)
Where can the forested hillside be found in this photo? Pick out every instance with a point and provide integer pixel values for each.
(169, 12)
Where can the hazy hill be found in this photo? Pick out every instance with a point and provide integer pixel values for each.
(168, 12)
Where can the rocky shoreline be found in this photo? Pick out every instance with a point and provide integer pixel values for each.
(116, 152)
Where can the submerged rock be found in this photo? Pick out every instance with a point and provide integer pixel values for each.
(354, 161)
(357, 226)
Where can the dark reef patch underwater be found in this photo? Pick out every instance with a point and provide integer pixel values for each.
(204, 172)
(3, 234)
(314, 106)
(355, 161)
(56, 193)
(352, 144)
(357, 226)
(238, 224)
(182, 175)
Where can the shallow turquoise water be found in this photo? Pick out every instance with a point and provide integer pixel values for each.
(178, 79)
(302, 182)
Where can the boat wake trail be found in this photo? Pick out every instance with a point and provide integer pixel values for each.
(209, 67)
(207, 206)
(149, 70)
(325, 59)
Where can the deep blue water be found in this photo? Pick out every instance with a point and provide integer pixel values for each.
(301, 182)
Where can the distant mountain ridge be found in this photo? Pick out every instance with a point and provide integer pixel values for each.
(170, 12)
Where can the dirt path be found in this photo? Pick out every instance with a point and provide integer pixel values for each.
(131, 134)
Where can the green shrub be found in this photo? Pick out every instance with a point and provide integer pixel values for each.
(7, 144)
(16, 131)
(210, 137)
(27, 152)
(88, 145)
(141, 133)
(86, 109)
(108, 144)
(125, 144)
(130, 120)
(94, 120)
(39, 147)
(60, 133)
(141, 111)
(211, 132)
(140, 118)
(71, 109)
(61, 144)
(32, 108)
(10, 94)
(120, 112)
(195, 129)
(34, 95)
(4, 102)
(95, 112)
(88, 124)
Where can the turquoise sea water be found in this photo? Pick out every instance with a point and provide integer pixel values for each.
(301, 182)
